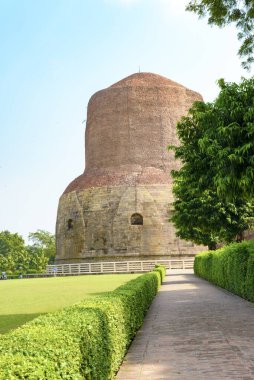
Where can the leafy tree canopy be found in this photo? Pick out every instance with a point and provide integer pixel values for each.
(228, 139)
(216, 150)
(202, 217)
(44, 240)
(16, 257)
(224, 12)
(13, 254)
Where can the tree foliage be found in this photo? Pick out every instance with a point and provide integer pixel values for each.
(37, 259)
(200, 216)
(208, 208)
(228, 141)
(13, 254)
(224, 12)
(16, 257)
(46, 242)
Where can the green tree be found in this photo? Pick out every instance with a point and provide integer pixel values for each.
(13, 254)
(37, 259)
(15, 257)
(45, 241)
(224, 12)
(228, 139)
(201, 214)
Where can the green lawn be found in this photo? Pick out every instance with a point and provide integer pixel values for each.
(23, 300)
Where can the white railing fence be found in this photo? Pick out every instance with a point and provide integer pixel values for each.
(117, 267)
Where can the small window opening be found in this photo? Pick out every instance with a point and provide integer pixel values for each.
(69, 224)
(137, 219)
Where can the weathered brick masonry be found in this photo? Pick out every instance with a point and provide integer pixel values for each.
(129, 126)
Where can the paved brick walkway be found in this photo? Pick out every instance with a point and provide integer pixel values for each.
(193, 331)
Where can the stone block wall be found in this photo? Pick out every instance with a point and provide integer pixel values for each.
(101, 225)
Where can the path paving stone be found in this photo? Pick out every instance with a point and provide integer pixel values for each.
(193, 331)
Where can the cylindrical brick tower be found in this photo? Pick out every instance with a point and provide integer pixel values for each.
(118, 209)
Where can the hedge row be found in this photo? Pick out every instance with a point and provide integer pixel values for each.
(231, 267)
(85, 341)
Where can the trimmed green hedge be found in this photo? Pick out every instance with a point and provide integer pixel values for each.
(162, 270)
(85, 341)
(230, 267)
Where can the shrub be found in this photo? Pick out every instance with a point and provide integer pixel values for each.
(85, 341)
(231, 267)
(161, 269)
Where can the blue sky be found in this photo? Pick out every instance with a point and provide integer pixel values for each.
(55, 54)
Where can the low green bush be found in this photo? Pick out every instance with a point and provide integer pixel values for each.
(85, 341)
(161, 269)
(230, 267)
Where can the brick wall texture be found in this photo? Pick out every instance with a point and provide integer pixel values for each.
(129, 126)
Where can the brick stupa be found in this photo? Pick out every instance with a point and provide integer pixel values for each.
(119, 208)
